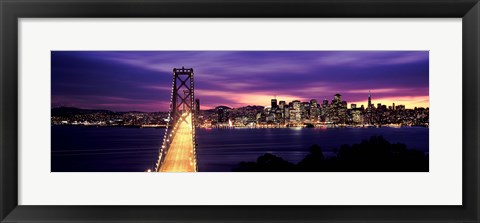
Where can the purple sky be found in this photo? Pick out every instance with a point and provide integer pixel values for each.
(141, 80)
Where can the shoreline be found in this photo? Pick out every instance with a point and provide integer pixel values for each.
(246, 127)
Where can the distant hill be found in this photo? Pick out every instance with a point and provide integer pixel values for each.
(222, 107)
(249, 107)
(66, 111)
(252, 107)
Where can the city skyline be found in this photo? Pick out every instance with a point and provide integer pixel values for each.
(268, 104)
(141, 80)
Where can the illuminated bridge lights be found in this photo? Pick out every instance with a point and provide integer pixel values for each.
(179, 140)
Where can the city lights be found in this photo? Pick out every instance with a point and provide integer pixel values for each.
(334, 113)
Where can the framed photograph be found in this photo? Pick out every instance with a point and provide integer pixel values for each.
(223, 117)
(174, 111)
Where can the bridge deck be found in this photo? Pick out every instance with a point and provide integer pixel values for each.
(180, 156)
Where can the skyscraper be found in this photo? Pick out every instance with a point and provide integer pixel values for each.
(197, 105)
(314, 110)
(369, 100)
(342, 112)
(296, 112)
(336, 110)
(325, 103)
(324, 110)
(221, 115)
(369, 115)
(197, 110)
(296, 104)
(274, 103)
(281, 104)
(337, 97)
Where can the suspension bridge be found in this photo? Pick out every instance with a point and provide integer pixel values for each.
(177, 153)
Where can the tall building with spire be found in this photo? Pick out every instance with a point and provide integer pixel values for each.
(369, 100)
(369, 109)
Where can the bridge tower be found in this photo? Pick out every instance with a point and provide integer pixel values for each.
(182, 93)
(182, 111)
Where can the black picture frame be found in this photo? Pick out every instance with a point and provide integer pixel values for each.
(12, 10)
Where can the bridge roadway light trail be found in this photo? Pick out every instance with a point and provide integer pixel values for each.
(180, 156)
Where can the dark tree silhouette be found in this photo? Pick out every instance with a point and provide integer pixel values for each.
(314, 161)
(266, 163)
(373, 155)
(378, 155)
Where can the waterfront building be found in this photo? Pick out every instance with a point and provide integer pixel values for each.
(357, 116)
(296, 112)
(314, 110)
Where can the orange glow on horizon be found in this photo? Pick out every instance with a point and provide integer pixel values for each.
(262, 99)
(245, 99)
(409, 102)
